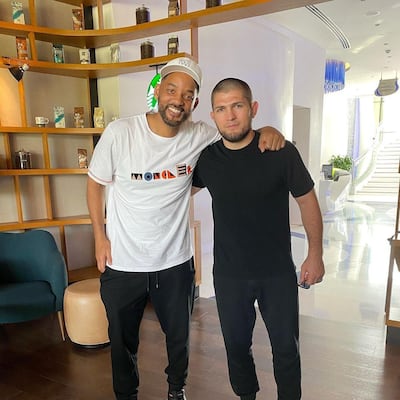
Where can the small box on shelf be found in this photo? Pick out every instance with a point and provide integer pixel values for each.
(98, 117)
(22, 48)
(82, 158)
(59, 117)
(58, 54)
(17, 12)
(79, 117)
(115, 53)
(77, 19)
(173, 45)
(173, 8)
(84, 56)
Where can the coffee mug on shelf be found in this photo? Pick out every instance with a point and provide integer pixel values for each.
(41, 121)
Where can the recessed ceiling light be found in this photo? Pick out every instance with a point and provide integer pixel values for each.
(372, 13)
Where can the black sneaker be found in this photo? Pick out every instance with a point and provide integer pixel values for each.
(177, 395)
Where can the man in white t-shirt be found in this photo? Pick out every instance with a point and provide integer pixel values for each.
(146, 163)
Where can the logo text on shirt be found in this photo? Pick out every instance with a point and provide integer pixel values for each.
(180, 170)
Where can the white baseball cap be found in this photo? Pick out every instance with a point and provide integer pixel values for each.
(185, 65)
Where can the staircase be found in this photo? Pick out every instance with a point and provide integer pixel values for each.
(384, 181)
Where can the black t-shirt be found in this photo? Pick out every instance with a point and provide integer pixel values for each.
(250, 203)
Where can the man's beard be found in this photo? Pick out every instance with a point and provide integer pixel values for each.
(172, 123)
(235, 137)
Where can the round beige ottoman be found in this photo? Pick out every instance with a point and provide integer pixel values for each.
(84, 313)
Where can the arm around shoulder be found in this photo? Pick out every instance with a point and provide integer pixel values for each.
(270, 139)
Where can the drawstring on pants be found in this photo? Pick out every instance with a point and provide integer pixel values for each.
(157, 283)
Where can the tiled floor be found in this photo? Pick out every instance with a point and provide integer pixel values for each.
(356, 256)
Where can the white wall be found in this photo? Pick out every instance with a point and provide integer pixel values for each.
(335, 125)
(308, 94)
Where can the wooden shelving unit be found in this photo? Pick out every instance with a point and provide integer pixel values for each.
(392, 314)
(94, 39)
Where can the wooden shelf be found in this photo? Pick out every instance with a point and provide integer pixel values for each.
(51, 130)
(45, 223)
(94, 70)
(101, 70)
(43, 171)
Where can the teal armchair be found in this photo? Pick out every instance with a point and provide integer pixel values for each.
(33, 277)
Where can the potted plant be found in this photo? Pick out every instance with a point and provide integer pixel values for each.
(341, 162)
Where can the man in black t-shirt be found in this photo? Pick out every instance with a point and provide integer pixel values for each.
(252, 247)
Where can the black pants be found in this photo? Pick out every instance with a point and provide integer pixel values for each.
(277, 300)
(125, 295)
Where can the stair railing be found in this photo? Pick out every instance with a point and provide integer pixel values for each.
(364, 166)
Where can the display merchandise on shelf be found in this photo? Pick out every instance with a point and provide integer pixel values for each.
(90, 38)
(46, 169)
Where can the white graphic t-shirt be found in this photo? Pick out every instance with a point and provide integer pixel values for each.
(148, 180)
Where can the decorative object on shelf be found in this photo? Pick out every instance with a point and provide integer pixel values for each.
(151, 100)
(17, 12)
(334, 76)
(41, 121)
(173, 8)
(115, 53)
(23, 159)
(79, 120)
(58, 54)
(387, 87)
(84, 56)
(146, 49)
(142, 15)
(77, 19)
(22, 48)
(59, 117)
(98, 117)
(82, 158)
(18, 71)
(213, 3)
(173, 44)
